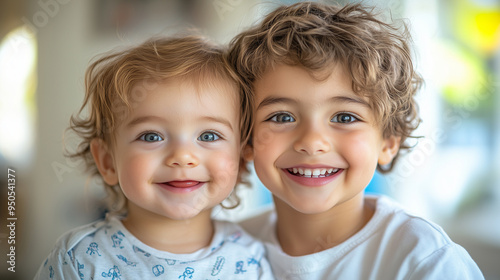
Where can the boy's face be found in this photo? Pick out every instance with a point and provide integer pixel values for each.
(316, 144)
(177, 153)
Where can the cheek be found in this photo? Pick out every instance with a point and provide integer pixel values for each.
(267, 148)
(268, 143)
(134, 167)
(224, 167)
(362, 150)
(263, 137)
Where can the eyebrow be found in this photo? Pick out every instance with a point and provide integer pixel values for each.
(270, 100)
(143, 119)
(222, 121)
(336, 99)
(348, 99)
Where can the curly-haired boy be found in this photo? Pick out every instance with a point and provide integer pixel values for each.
(333, 100)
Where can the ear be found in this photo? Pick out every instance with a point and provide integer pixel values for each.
(390, 147)
(104, 161)
(248, 153)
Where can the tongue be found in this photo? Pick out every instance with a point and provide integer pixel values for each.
(183, 184)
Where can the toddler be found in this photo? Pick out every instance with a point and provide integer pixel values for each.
(165, 130)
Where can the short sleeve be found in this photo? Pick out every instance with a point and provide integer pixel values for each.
(449, 262)
(59, 265)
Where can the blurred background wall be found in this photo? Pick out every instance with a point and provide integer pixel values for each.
(452, 176)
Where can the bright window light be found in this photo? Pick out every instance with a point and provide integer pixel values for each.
(18, 56)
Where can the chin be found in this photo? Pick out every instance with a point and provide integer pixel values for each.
(311, 208)
(184, 213)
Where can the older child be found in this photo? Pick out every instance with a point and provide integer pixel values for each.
(333, 92)
(165, 129)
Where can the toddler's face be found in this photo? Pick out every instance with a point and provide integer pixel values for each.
(177, 153)
(316, 144)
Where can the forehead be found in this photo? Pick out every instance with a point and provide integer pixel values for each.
(190, 92)
(333, 79)
(195, 86)
(284, 78)
(178, 99)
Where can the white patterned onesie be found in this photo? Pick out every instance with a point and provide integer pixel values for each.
(107, 250)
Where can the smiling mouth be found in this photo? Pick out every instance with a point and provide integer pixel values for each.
(313, 173)
(183, 184)
(181, 187)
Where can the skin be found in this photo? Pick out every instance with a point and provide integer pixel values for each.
(326, 131)
(175, 156)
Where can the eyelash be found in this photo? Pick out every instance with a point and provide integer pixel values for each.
(354, 117)
(142, 137)
(273, 118)
(214, 132)
(275, 115)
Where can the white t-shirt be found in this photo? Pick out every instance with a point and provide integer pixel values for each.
(392, 245)
(107, 250)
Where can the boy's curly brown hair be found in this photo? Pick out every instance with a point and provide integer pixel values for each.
(115, 81)
(376, 56)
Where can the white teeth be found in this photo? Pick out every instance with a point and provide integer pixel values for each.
(314, 173)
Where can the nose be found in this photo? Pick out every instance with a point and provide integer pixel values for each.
(182, 157)
(312, 141)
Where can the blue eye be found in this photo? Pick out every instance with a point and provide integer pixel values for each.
(344, 118)
(282, 118)
(209, 137)
(151, 137)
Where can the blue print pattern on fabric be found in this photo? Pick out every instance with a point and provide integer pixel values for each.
(235, 236)
(120, 257)
(117, 239)
(239, 267)
(219, 263)
(139, 250)
(80, 267)
(108, 252)
(71, 254)
(158, 270)
(93, 249)
(218, 246)
(170, 261)
(188, 272)
(251, 261)
(114, 273)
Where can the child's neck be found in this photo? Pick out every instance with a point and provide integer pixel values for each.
(302, 234)
(174, 236)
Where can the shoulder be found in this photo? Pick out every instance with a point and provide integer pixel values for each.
(392, 225)
(401, 224)
(61, 260)
(72, 238)
(450, 261)
(419, 244)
